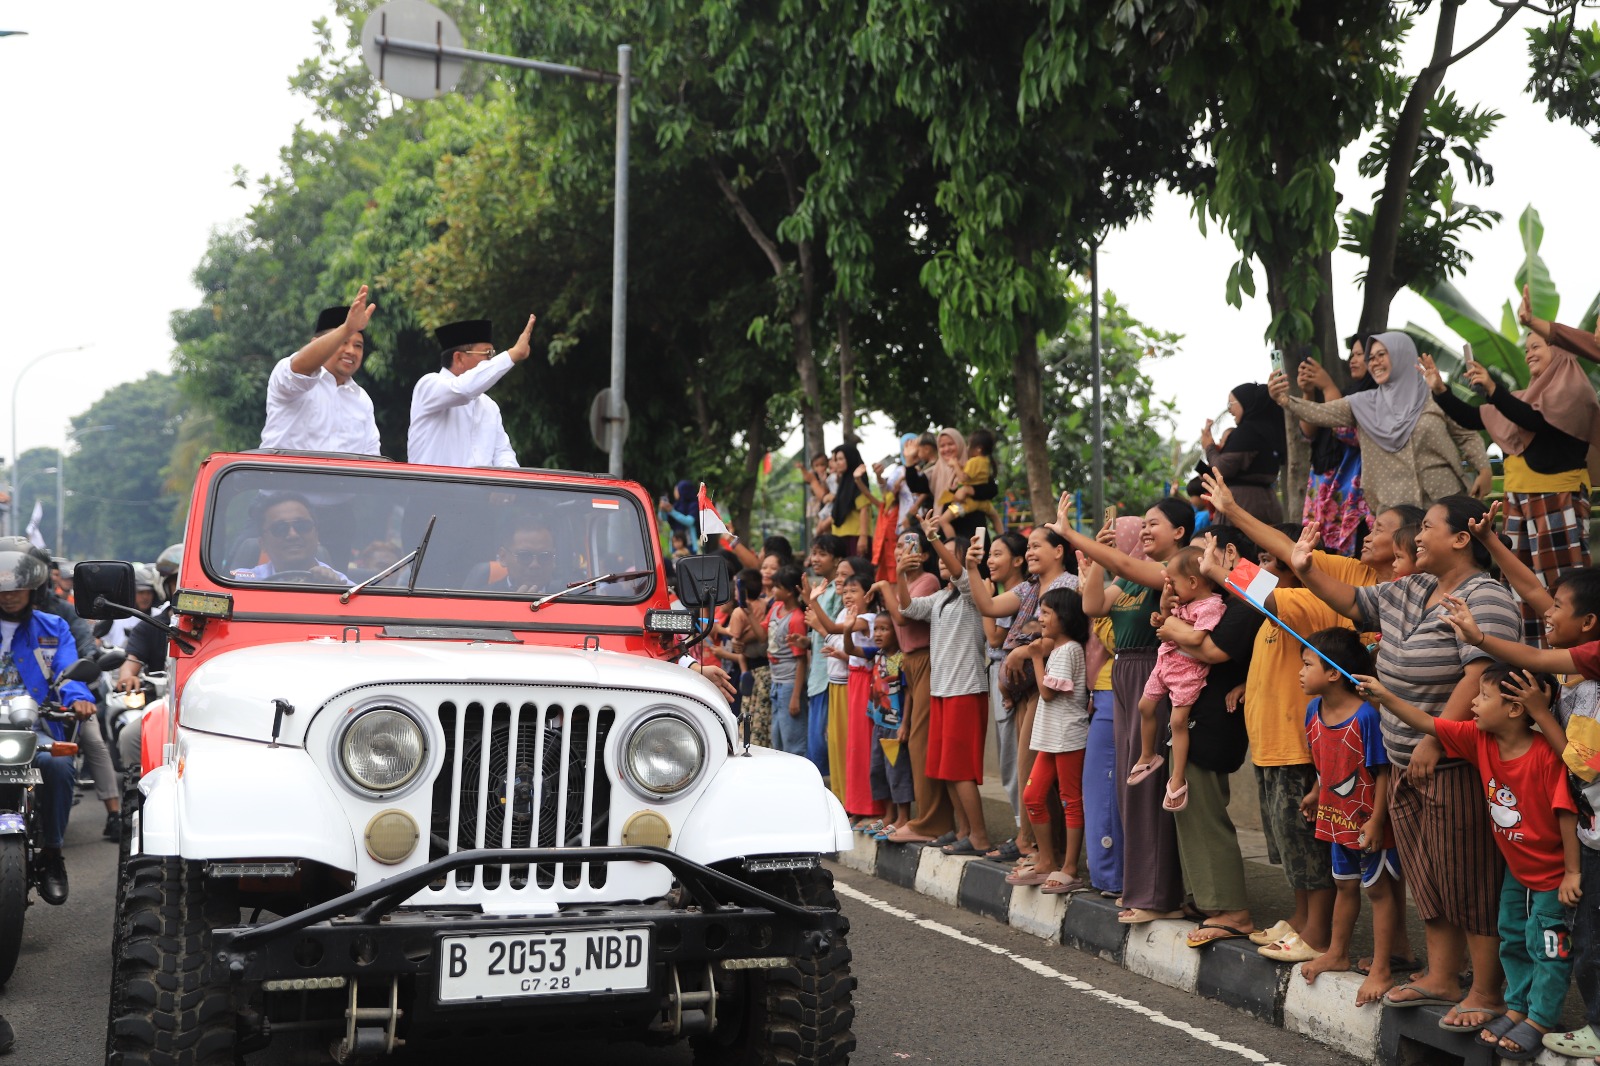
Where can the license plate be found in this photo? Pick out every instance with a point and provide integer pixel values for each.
(19, 775)
(503, 966)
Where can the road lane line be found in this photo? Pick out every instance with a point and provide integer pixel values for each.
(1076, 984)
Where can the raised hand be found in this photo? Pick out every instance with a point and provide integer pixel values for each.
(1088, 571)
(360, 313)
(1522, 687)
(1371, 689)
(1217, 492)
(519, 351)
(1313, 375)
(1460, 618)
(1278, 387)
(1525, 309)
(1300, 559)
(1064, 508)
(1479, 376)
(975, 554)
(1206, 439)
(1430, 373)
(1483, 528)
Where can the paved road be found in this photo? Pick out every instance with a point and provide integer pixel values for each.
(984, 993)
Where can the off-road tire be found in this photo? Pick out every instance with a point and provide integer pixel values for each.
(799, 1015)
(13, 901)
(171, 1004)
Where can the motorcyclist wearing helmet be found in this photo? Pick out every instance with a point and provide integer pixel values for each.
(32, 642)
(147, 646)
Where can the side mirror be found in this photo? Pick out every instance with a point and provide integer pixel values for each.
(702, 581)
(110, 659)
(85, 670)
(103, 589)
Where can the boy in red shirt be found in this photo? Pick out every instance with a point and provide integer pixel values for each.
(1535, 827)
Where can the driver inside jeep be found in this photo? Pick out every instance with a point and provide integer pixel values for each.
(288, 535)
(526, 560)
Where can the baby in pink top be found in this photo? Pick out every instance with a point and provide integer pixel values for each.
(1177, 675)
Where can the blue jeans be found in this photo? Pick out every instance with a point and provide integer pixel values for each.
(1102, 832)
(817, 732)
(55, 799)
(789, 732)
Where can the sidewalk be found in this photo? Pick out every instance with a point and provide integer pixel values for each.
(1231, 971)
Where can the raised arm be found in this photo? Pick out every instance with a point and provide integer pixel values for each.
(1269, 539)
(1518, 654)
(1330, 415)
(1522, 580)
(1584, 345)
(1146, 572)
(1329, 589)
(320, 349)
(1092, 587)
(983, 597)
(1415, 717)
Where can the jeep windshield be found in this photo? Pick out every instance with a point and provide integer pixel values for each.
(320, 530)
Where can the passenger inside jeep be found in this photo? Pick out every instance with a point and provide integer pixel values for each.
(288, 537)
(491, 537)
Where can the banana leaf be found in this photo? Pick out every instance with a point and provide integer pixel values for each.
(1533, 273)
(1489, 346)
(1587, 323)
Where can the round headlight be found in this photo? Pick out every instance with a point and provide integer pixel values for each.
(382, 750)
(664, 755)
(10, 748)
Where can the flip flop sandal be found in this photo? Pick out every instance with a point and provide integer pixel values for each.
(1063, 887)
(1396, 965)
(871, 827)
(1580, 1043)
(1498, 1026)
(962, 847)
(943, 839)
(1005, 853)
(1145, 769)
(1176, 800)
(1228, 933)
(1142, 915)
(1526, 1037)
(1030, 876)
(1420, 999)
(1492, 1012)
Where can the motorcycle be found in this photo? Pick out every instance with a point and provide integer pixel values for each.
(123, 709)
(20, 828)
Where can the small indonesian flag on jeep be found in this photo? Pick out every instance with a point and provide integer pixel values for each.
(604, 505)
(1251, 582)
(710, 521)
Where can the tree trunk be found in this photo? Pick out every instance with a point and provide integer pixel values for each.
(1030, 420)
(1387, 219)
(756, 448)
(847, 374)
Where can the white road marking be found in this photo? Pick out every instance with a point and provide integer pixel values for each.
(1076, 984)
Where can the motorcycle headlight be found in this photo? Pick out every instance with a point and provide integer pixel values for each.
(664, 755)
(17, 747)
(382, 750)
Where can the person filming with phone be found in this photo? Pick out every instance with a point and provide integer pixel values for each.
(1545, 431)
(1250, 454)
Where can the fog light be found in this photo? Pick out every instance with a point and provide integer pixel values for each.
(646, 829)
(391, 836)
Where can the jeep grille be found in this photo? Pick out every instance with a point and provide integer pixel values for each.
(522, 775)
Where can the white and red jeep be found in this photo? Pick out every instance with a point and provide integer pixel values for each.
(428, 761)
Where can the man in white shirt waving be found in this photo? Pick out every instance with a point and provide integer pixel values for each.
(312, 403)
(452, 422)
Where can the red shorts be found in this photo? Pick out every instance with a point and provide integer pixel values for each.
(957, 728)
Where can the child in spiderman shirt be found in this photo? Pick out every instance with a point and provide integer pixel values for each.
(1350, 809)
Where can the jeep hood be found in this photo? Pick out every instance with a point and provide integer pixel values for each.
(232, 694)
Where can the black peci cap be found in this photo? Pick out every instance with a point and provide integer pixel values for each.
(331, 318)
(461, 334)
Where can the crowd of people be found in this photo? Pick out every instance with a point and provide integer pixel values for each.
(1389, 677)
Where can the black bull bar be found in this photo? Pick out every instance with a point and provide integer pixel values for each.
(358, 913)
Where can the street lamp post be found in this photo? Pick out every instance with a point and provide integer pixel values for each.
(16, 456)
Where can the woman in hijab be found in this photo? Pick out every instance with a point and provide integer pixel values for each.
(1410, 452)
(946, 472)
(685, 513)
(1545, 431)
(1334, 503)
(851, 500)
(1251, 453)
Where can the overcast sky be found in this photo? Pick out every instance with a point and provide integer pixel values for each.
(124, 123)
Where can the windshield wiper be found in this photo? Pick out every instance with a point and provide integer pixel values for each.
(579, 586)
(415, 555)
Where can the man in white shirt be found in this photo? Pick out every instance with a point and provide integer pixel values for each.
(452, 422)
(312, 403)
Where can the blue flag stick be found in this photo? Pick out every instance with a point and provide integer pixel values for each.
(1263, 609)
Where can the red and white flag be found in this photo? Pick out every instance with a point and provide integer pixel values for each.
(710, 521)
(1251, 582)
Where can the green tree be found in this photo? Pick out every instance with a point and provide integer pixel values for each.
(119, 505)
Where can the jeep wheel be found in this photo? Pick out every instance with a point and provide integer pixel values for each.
(796, 1016)
(168, 1005)
(13, 901)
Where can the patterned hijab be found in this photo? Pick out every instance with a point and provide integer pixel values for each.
(1388, 414)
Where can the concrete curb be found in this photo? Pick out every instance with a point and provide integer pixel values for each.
(1231, 972)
